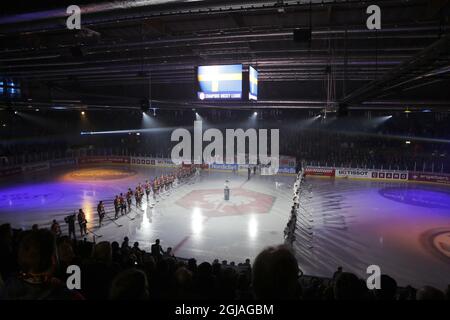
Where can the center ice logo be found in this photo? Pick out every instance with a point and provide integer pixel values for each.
(242, 202)
(214, 151)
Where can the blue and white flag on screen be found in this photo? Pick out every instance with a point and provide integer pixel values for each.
(220, 82)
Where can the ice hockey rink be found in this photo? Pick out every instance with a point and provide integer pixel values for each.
(403, 228)
(193, 218)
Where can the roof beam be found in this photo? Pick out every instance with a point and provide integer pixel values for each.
(423, 62)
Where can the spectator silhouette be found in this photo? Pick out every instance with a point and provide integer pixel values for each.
(98, 272)
(125, 243)
(337, 273)
(116, 253)
(192, 265)
(228, 281)
(429, 293)
(137, 252)
(243, 291)
(7, 256)
(66, 258)
(55, 228)
(183, 284)
(205, 281)
(275, 274)
(37, 260)
(388, 289)
(130, 284)
(157, 250)
(347, 287)
(169, 253)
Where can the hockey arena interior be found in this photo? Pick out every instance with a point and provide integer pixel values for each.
(337, 189)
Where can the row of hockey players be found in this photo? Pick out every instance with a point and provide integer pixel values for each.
(155, 186)
(123, 202)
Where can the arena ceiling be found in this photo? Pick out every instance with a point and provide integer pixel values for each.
(127, 51)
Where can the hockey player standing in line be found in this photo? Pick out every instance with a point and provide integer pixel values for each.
(123, 206)
(136, 196)
(147, 189)
(129, 196)
(116, 207)
(154, 186)
(101, 213)
(82, 222)
(249, 172)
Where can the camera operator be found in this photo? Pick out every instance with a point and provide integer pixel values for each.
(70, 220)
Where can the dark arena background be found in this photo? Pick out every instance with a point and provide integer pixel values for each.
(94, 206)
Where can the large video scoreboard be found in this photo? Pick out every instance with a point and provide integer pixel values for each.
(225, 82)
(220, 82)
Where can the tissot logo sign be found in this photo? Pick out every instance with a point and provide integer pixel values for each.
(352, 173)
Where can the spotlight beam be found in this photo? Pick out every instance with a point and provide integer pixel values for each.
(389, 136)
(83, 133)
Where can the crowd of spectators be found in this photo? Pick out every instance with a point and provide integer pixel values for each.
(317, 148)
(313, 147)
(343, 150)
(33, 265)
(359, 141)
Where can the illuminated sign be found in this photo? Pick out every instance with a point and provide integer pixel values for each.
(220, 82)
